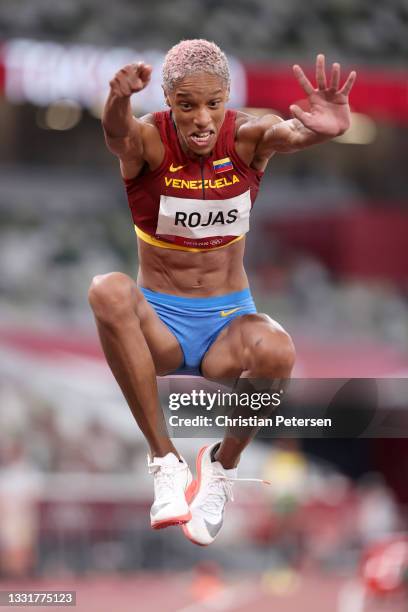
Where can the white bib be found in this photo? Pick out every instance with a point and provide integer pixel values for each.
(204, 218)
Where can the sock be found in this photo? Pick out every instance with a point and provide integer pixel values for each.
(214, 450)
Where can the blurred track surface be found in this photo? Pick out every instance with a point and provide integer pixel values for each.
(176, 592)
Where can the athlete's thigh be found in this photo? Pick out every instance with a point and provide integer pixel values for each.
(227, 357)
(163, 345)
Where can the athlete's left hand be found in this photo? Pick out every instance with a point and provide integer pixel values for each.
(329, 113)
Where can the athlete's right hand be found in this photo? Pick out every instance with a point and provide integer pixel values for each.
(130, 79)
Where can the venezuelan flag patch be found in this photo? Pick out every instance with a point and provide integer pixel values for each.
(222, 165)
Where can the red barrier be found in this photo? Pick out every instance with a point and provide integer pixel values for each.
(357, 244)
(378, 92)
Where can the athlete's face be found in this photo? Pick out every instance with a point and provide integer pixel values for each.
(198, 106)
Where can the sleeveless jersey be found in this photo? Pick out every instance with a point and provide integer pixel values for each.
(194, 204)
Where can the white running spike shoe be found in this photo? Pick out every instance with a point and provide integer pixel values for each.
(171, 480)
(207, 496)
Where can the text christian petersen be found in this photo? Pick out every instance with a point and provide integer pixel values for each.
(253, 401)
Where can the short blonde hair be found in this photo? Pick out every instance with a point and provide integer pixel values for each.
(190, 56)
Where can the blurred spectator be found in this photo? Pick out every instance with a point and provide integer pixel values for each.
(20, 490)
(369, 30)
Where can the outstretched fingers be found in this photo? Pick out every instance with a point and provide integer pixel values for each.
(303, 80)
(321, 80)
(321, 72)
(345, 90)
(335, 77)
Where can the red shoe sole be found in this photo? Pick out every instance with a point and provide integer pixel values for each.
(192, 491)
(193, 487)
(169, 522)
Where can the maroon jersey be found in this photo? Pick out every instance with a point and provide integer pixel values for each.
(194, 204)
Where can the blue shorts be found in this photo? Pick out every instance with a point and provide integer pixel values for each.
(196, 322)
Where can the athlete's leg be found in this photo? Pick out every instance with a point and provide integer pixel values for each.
(252, 346)
(137, 346)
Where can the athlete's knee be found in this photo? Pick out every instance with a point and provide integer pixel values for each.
(271, 351)
(282, 351)
(273, 354)
(112, 296)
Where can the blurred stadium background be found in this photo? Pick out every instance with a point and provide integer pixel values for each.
(327, 257)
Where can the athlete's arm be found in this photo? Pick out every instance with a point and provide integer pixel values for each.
(134, 141)
(328, 116)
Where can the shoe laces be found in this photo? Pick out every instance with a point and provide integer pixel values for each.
(165, 478)
(219, 491)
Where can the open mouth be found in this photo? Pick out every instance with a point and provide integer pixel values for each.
(201, 139)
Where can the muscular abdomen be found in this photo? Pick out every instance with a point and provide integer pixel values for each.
(189, 274)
